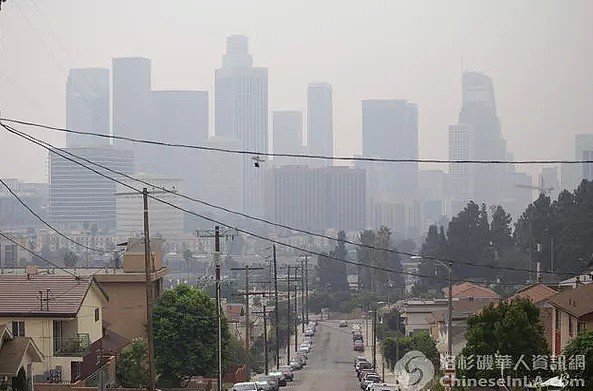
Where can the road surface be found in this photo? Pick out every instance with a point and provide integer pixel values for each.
(330, 365)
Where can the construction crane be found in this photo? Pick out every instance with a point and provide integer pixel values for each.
(543, 190)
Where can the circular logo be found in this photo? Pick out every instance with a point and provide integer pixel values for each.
(414, 370)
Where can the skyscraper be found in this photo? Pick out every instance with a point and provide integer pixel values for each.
(241, 110)
(288, 135)
(77, 196)
(180, 117)
(390, 130)
(132, 106)
(87, 106)
(479, 112)
(320, 122)
(461, 175)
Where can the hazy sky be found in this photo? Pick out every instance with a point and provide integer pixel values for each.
(539, 53)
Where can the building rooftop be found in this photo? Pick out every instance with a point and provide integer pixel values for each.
(537, 292)
(38, 295)
(578, 301)
(468, 289)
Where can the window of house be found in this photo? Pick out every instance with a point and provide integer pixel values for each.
(580, 327)
(18, 329)
(558, 323)
(570, 331)
(96, 314)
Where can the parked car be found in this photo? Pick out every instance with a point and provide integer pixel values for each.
(280, 377)
(245, 386)
(343, 323)
(270, 380)
(264, 386)
(287, 372)
(358, 346)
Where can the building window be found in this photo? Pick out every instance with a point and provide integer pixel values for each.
(96, 314)
(580, 327)
(558, 323)
(18, 329)
(570, 327)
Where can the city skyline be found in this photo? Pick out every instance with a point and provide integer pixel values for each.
(523, 73)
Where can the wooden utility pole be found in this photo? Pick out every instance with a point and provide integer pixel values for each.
(276, 309)
(302, 296)
(374, 339)
(148, 269)
(247, 295)
(218, 309)
(296, 312)
(307, 287)
(288, 316)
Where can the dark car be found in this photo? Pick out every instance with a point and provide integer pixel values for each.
(358, 346)
(287, 372)
(280, 377)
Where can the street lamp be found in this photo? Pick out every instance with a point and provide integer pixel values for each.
(450, 304)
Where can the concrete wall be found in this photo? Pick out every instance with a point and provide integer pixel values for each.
(126, 310)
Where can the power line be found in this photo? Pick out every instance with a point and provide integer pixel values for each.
(53, 149)
(306, 232)
(37, 255)
(295, 155)
(20, 200)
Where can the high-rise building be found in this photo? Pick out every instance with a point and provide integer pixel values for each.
(390, 130)
(132, 108)
(241, 108)
(87, 106)
(571, 175)
(180, 117)
(317, 198)
(320, 123)
(461, 176)
(78, 196)
(287, 129)
(479, 113)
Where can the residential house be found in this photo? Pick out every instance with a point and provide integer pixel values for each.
(538, 294)
(60, 313)
(16, 354)
(572, 313)
(416, 313)
(471, 291)
(125, 313)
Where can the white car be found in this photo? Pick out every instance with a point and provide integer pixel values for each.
(245, 386)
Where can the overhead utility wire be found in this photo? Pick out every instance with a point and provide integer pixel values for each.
(37, 255)
(20, 200)
(295, 155)
(55, 150)
(493, 267)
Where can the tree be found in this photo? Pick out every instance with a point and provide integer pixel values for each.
(185, 330)
(424, 343)
(333, 275)
(508, 328)
(582, 345)
(501, 231)
(132, 365)
(364, 256)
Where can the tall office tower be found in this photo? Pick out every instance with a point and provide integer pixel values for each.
(87, 106)
(571, 175)
(132, 114)
(79, 197)
(390, 130)
(180, 117)
(479, 112)
(461, 175)
(287, 127)
(320, 123)
(317, 198)
(241, 111)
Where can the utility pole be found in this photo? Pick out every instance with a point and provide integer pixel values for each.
(276, 309)
(302, 296)
(266, 362)
(148, 268)
(218, 309)
(374, 339)
(288, 316)
(247, 294)
(307, 286)
(450, 320)
(296, 312)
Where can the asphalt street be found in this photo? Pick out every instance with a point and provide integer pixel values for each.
(330, 365)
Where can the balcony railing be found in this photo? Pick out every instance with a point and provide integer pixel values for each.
(72, 347)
